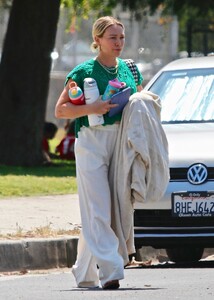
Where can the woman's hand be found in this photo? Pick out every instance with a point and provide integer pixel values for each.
(66, 110)
(101, 107)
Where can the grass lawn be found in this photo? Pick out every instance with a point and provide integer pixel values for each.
(39, 181)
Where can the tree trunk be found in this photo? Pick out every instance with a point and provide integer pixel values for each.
(24, 79)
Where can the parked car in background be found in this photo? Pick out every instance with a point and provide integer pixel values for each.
(182, 222)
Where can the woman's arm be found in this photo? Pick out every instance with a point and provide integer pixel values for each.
(66, 110)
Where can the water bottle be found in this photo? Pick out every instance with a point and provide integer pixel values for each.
(92, 93)
(113, 87)
(75, 94)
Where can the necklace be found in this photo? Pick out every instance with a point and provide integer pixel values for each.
(110, 70)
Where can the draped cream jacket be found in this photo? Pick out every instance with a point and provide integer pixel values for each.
(140, 170)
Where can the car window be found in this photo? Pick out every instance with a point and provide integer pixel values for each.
(186, 95)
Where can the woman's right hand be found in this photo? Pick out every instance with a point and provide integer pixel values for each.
(66, 110)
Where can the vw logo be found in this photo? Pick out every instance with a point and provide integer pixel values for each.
(197, 174)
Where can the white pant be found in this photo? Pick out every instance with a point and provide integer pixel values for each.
(98, 245)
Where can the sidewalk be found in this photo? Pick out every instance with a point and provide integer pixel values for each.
(29, 213)
(57, 213)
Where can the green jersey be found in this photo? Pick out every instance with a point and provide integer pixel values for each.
(91, 68)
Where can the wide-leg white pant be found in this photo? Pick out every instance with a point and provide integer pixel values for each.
(98, 244)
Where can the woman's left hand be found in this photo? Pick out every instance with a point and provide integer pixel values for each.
(102, 107)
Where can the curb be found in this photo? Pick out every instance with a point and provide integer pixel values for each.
(54, 253)
(37, 254)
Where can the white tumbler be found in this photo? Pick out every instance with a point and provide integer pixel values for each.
(92, 93)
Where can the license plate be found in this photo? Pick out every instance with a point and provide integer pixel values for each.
(193, 204)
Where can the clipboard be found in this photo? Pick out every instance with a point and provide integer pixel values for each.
(121, 98)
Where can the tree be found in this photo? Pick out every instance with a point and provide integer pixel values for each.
(24, 78)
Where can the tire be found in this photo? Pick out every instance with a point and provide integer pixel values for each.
(185, 254)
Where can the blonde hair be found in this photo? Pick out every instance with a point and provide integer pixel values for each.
(100, 27)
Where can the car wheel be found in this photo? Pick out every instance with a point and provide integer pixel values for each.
(184, 254)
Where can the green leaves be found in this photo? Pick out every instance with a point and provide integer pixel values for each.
(84, 9)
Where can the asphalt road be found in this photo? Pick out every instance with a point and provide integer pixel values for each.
(166, 282)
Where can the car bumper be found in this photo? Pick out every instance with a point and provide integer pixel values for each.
(159, 229)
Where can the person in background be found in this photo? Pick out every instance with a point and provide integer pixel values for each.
(98, 258)
(49, 132)
(65, 149)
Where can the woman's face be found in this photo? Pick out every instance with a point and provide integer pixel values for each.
(112, 41)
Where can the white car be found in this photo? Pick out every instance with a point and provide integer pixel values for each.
(182, 222)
